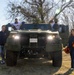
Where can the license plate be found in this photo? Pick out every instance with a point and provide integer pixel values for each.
(33, 40)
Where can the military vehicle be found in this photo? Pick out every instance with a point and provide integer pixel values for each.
(33, 41)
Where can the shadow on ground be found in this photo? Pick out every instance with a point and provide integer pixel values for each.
(29, 67)
(68, 72)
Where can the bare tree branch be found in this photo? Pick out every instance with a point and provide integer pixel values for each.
(38, 10)
(63, 8)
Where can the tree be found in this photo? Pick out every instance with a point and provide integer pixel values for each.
(38, 11)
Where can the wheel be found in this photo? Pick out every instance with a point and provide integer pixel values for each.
(11, 58)
(57, 59)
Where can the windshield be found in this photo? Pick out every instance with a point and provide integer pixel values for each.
(35, 26)
(61, 28)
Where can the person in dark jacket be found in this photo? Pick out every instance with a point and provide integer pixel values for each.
(53, 25)
(3, 37)
(71, 47)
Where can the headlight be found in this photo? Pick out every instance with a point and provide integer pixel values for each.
(16, 37)
(50, 37)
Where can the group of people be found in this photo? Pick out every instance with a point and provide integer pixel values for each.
(16, 26)
(3, 37)
(52, 26)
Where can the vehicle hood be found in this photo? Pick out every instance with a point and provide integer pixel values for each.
(35, 31)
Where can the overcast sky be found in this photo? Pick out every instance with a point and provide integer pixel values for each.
(3, 4)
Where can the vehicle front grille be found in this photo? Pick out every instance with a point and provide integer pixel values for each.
(26, 40)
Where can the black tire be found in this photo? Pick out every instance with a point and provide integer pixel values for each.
(57, 59)
(11, 58)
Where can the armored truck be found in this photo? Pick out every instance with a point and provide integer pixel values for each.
(34, 41)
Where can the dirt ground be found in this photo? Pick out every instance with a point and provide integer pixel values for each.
(37, 67)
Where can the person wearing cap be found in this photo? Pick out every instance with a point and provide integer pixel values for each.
(16, 25)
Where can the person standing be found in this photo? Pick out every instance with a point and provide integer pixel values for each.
(56, 26)
(16, 25)
(71, 47)
(53, 25)
(3, 37)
